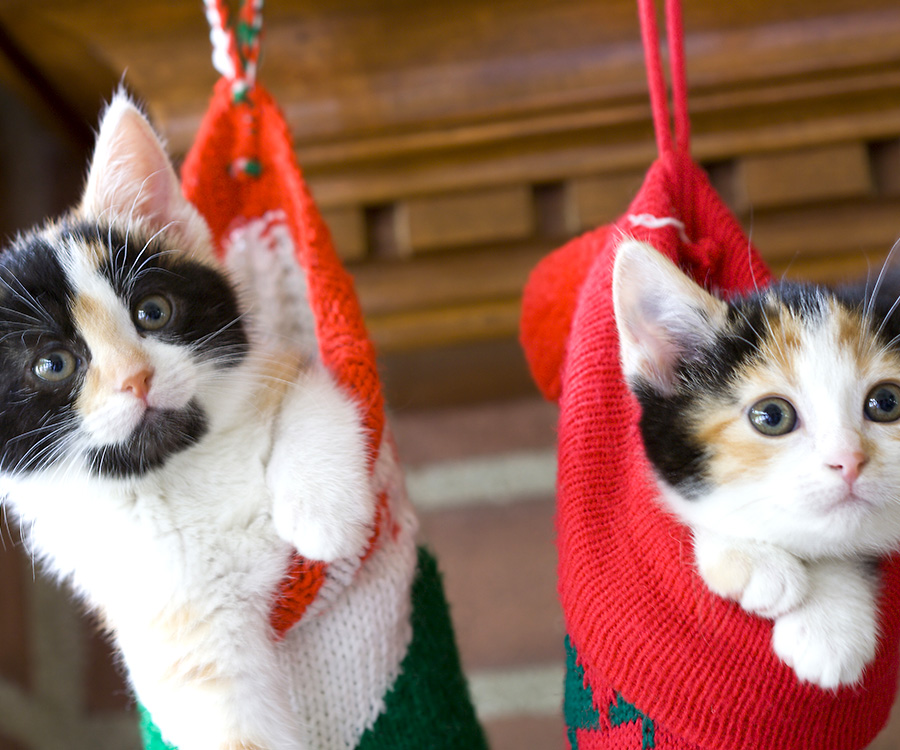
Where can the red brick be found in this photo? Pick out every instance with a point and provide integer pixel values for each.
(13, 619)
(527, 733)
(499, 566)
(445, 434)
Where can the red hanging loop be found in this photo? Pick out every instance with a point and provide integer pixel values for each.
(675, 33)
(236, 51)
(656, 78)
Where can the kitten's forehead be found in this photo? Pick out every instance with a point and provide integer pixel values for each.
(83, 253)
(116, 251)
(89, 251)
(34, 284)
(819, 343)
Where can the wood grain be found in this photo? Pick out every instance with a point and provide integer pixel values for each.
(779, 178)
(467, 218)
(452, 154)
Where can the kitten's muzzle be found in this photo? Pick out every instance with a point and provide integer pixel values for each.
(849, 464)
(138, 384)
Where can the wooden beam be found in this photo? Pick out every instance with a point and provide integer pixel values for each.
(57, 74)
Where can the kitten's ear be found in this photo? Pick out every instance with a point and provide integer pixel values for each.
(131, 176)
(661, 314)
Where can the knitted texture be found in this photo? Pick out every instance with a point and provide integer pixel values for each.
(638, 614)
(428, 707)
(548, 307)
(343, 630)
(641, 619)
(431, 691)
(661, 660)
(252, 129)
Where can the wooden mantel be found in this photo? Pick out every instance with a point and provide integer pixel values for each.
(452, 145)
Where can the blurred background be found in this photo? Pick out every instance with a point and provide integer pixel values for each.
(451, 146)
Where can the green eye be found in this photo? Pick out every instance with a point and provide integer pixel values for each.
(883, 403)
(55, 366)
(773, 416)
(152, 313)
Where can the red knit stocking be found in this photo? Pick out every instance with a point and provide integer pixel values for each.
(659, 651)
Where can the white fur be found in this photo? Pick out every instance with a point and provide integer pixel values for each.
(131, 178)
(199, 537)
(655, 328)
(317, 472)
(832, 634)
(787, 542)
(183, 563)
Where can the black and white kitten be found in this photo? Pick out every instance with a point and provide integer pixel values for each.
(773, 425)
(165, 460)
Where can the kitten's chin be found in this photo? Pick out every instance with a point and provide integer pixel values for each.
(160, 435)
(847, 501)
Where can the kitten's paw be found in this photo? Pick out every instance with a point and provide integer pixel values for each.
(826, 648)
(778, 584)
(326, 536)
(323, 502)
(765, 580)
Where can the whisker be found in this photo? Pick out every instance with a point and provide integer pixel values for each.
(880, 280)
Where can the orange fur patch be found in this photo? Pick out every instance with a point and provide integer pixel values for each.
(239, 744)
(101, 331)
(853, 335)
(723, 428)
(779, 343)
(186, 671)
(180, 624)
(729, 574)
(733, 445)
(277, 376)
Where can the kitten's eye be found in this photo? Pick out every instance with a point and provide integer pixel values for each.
(773, 416)
(55, 366)
(152, 313)
(883, 403)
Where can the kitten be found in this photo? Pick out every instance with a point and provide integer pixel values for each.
(772, 423)
(159, 456)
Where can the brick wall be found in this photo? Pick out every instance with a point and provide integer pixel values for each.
(58, 688)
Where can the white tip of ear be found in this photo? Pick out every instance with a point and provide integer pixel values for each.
(661, 314)
(131, 178)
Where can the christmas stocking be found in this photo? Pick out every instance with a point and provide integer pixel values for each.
(368, 643)
(655, 660)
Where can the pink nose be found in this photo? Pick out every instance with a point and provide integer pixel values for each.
(138, 384)
(849, 464)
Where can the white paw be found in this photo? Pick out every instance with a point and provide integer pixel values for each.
(326, 533)
(764, 579)
(778, 584)
(826, 648)
(318, 473)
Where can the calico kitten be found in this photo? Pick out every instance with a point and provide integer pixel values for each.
(772, 423)
(159, 456)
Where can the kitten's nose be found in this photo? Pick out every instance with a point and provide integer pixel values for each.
(849, 464)
(138, 384)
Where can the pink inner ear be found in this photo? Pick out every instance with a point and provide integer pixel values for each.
(131, 175)
(157, 193)
(658, 353)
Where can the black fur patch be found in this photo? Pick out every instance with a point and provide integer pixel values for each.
(206, 316)
(35, 420)
(882, 304)
(678, 457)
(159, 436)
(669, 421)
